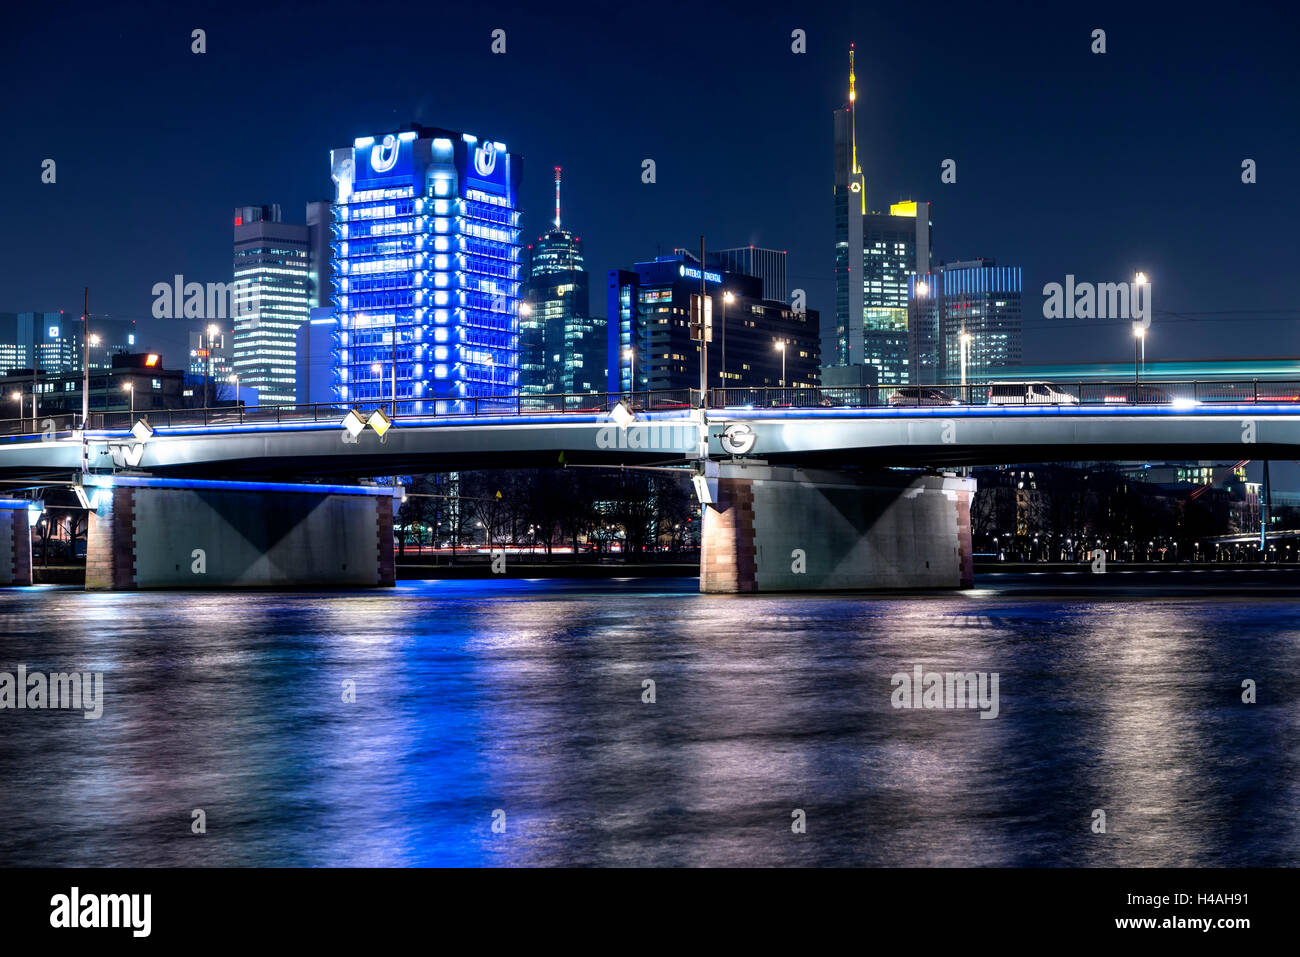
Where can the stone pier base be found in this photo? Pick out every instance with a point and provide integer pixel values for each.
(777, 529)
(182, 533)
(15, 542)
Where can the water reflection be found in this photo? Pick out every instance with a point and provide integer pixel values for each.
(526, 698)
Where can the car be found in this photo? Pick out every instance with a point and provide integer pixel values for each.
(1028, 393)
(912, 396)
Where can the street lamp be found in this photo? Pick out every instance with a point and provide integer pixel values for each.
(233, 379)
(91, 340)
(130, 387)
(922, 289)
(780, 347)
(210, 395)
(630, 354)
(727, 297)
(1139, 348)
(964, 339)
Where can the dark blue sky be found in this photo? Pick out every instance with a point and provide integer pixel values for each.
(1068, 162)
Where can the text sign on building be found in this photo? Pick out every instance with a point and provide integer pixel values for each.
(691, 272)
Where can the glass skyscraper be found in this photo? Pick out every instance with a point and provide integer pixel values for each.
(978, 298)
(425, 262)
(561, 347)
(272, 298)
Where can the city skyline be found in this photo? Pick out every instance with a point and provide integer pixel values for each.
(625, 220)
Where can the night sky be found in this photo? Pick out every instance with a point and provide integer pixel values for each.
(1067, 161)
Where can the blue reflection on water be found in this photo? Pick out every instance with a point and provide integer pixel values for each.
(526, 696)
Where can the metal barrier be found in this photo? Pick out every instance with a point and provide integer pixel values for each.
(1119, 393)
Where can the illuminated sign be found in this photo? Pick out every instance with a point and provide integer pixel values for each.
(488, 167)
(384, 156)
(388, 158)
(907, 208)
(53, 331)
(690, 272)
(151, 359)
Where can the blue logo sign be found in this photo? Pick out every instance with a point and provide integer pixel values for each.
(489, 169)
(384, 156)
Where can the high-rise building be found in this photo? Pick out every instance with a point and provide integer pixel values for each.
(273, 295)
(649, 330)
(766, 264)
(425, 263)
(561, 347)
(976, 298)
(874, 255)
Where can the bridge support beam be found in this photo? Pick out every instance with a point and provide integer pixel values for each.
(786, 529)
(183, 533)
(15, 542)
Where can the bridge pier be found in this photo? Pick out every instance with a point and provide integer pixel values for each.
(185, 533)
(789, 529)
(15, 542)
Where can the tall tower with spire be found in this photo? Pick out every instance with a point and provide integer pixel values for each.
(842, 341)
(868, 341)
(561, 347)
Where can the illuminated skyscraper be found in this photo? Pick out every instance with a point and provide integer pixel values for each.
(978, 298)
(425, 269)
(272, 298)
(561, 348)
(874, 255)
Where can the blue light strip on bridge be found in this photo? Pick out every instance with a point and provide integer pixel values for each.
(135, 481)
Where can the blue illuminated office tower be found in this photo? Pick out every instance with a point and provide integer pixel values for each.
(425, 262)
(977, 298)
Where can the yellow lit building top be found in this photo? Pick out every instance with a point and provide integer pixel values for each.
(903, 209)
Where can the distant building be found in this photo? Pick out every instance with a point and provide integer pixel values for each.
(54, 339)
(765, 264)
(152, 387)
(979, 299)
(561, 347)
(649, 330)
(426, 263)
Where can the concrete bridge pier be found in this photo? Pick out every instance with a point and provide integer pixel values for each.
(15, 542)
(774, 529)
(191, 534)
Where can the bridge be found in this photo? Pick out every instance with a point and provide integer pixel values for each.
(801, 487)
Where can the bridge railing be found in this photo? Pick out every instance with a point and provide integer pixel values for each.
(1118, 393)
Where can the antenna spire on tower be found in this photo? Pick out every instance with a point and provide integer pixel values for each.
(557, 197)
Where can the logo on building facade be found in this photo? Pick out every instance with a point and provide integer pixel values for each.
(485, 159)
(383, 157)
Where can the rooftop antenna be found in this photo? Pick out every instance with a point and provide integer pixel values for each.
(557, 197)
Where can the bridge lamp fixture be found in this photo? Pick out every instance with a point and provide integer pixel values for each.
(780, 347)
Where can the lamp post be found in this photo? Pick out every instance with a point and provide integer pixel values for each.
(922, 289)
(780, 347)
(85, 385)
(630, 354)
(209, 394)
(726, 298)
(130, 387)
(233, 379)
(1139, 340)
(964, 339)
